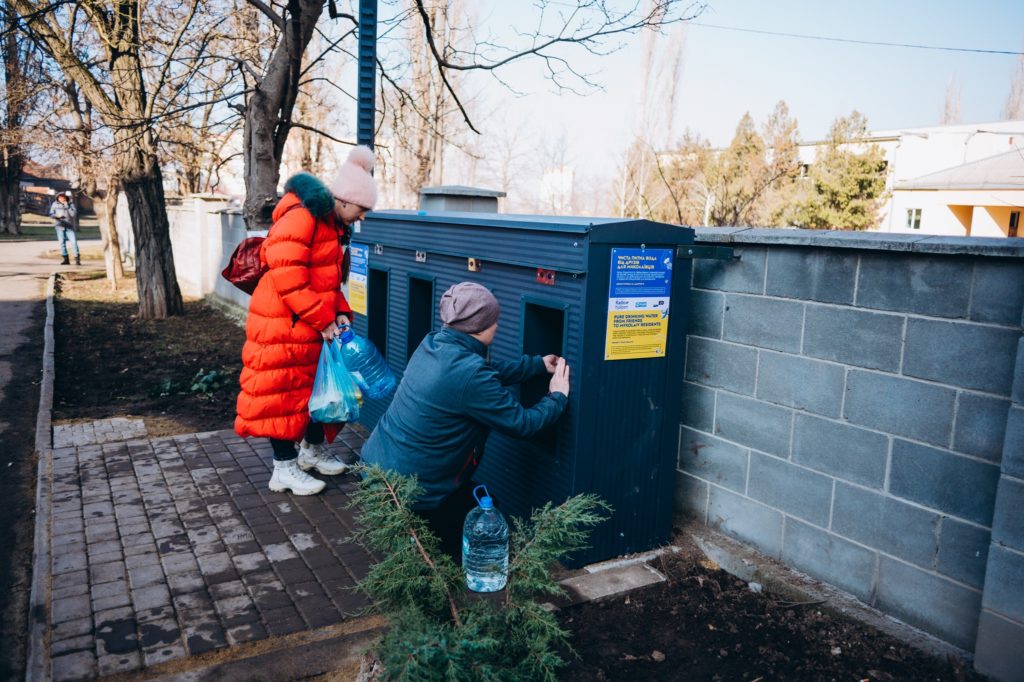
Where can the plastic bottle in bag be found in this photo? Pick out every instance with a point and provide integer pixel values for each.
(485, 546)
(335, 397)
(366, 365)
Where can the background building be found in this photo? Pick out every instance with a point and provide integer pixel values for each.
(957, 180)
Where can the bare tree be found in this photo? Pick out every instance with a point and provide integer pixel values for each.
(272, 93)
(420, 121)
(952, 106)
(643, 184)
(122, 56)
(195, 144)
(97, 178)
(313, 148)
(1014, 109)
(508, 155)
(20, 87)
(556, 175)
(557, 29)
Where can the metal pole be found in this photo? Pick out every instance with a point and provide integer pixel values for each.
(367, 90)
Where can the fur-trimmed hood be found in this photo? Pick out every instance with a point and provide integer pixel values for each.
(313, 193)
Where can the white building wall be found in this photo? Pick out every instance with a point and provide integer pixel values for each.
(984, 224)
(936, 218)
(989, 211)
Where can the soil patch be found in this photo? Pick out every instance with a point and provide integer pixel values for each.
(179, 374)
(705, 624)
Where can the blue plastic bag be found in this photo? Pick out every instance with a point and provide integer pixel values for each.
(336, 397)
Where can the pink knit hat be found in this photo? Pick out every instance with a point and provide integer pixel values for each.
(353, 183)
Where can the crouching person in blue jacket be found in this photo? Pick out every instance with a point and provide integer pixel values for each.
(450, 398)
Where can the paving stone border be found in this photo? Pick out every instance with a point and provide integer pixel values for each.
(37, 663)
(98, 431)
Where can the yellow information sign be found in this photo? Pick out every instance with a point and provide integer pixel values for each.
(636, 334)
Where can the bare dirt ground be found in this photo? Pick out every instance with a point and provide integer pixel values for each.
(180, 374)
(705, 624)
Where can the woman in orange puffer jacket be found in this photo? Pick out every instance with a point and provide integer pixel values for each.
(296, 306)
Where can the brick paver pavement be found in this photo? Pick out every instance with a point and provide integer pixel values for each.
(165, 548)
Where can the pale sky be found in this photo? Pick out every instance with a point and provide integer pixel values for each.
(726, 73)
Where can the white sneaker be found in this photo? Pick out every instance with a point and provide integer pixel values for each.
(288, 476)
(319, 458)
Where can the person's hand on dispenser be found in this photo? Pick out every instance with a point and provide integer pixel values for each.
(551, 363)
(560, 378)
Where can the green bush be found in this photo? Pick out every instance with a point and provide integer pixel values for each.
(439, 631)
(207, 384)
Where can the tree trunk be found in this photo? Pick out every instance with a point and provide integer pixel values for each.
(262, 163)
(137, 165)
(159, 295)
(10, 192)
(105, 204)
(268, 113)
(11, 117)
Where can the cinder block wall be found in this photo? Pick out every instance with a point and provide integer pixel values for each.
(846, 411)
(1001, 630)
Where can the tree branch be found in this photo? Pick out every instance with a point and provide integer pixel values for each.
(274, 17)
(333, 13)
(668, 185)
(442, 64)
(175, 44)
(329, 48)
(303, 126)
(423, 553)
(40, 26)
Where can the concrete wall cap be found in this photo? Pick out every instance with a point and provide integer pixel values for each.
(873, 241)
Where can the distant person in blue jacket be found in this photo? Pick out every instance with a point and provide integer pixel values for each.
(450, 398)
(65, 217)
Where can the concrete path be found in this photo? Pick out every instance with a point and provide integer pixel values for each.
(23, 274)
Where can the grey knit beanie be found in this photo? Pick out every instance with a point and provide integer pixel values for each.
(469, 307)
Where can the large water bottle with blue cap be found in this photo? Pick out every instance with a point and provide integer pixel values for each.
(366, 365)
(485, 545)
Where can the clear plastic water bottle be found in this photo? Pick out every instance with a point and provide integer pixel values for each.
(366, 365)
(485, 546)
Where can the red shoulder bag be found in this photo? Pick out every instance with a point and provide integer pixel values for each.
(244, 268)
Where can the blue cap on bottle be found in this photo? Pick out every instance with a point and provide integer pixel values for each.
(347, 334)
(485, 502)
